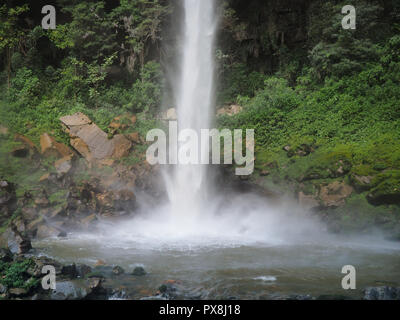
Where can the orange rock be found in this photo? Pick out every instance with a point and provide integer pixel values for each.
(26, 141)
(134, 137)
(50, 147)
(82, 148)
(44, 177)
(115, 125)
(100, 263)
(122, 146)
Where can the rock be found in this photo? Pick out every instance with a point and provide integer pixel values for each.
(63, 165)
(115, 125)
(7, 192)
(118, 294)
(386, 192)
(92, 142)
(8, 200)
(77, 119)
(170, 115)
(334, 194)
(287, 148)
(46, 231)
(44, 177)
(29, 213)
(117, 270)
(229, 110)
(20, 152)
(40, 262)
(3, 289)
(69, 271)
(264, 173)
(134, 137)
(133, 119)
(304, 150)
(100, 263)
(139, 271)
(93, 138)
(19, 225)
(51, 148)
(382, 293)
(95, 284)
(33, 225)
(122, 146)
(361, 183)
(70, 290)
(42, 200)
(16, 242)
(5, 256)
(82, 270)
(83, 149)
(18, 292)
(308, 201)
(26, 147)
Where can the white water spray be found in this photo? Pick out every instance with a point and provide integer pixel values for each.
(187, 185)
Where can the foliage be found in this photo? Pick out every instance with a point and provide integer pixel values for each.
(14, 274)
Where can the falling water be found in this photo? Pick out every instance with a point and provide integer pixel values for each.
(225, 244)
(187, 185)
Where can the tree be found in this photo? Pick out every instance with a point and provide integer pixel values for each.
(11, 34)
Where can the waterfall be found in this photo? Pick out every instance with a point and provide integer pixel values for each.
(187, 185)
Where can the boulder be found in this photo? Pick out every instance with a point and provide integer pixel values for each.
(386, 192)
(117, 270)
(82, 270)
(122, 146)
(361, 183)
(25, 148)
(5, 255)
(169, 115)
(139, 271)
(335, 194)
(3, 289)
(79, 145)
(134, 137)
(75, 120)
(17, 292)
(70, 290)
(382, 293)
(39, 262)
(229, 110)
(16, 242)
(8, 200)
(92, 142)
(51, 148)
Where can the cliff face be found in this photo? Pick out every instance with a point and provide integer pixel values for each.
(256, 31)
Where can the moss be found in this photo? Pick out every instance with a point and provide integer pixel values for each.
(363, 170)
(58, 197)
(387, 188)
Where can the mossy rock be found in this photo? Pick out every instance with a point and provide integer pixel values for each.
(387, 190)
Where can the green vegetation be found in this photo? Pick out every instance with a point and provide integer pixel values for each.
(324, 102)
(15, 275)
